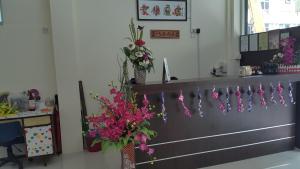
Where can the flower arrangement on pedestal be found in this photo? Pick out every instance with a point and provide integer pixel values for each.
(139, 55)
(122, 124)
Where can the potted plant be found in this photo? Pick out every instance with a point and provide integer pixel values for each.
(139, 55)
(89, 140)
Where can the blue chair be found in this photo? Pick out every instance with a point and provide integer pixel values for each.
(10, 135)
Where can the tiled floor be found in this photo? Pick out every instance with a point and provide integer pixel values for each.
(111, 160)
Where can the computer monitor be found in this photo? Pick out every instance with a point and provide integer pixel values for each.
(1, 15)
(166, 72)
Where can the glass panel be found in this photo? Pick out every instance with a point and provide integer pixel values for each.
(265, 15)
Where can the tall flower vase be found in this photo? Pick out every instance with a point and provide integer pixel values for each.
(128, 157)
(140, 76)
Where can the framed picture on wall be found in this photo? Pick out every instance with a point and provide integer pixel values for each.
(162, 10)
(244, 43)
(253, 42)
(263, 39)
(274, 39)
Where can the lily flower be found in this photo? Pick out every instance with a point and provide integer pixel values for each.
(131, 46)
(139, 54)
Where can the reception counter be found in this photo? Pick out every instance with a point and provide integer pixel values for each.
(216, 138)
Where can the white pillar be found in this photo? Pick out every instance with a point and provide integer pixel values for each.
(234, 30)
(67, 74)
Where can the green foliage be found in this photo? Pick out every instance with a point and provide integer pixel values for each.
(126, 51)
(7, 110)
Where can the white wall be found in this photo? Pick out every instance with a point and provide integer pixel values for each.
(87, 37)
(66, 64)
(26, 54)
(102, 27)
(26, 57)
(210, 17)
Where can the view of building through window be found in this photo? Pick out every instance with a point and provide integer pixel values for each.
(265, 15)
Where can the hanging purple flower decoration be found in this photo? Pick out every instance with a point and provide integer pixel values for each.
(163, 108)
(201, 114)
(216, 96)
(228, 104)
(291, 93)
(262, 99)
(280, 94)
(187, 112)
(240, 104)
(250, 99)
(272, 90)
(288, 45)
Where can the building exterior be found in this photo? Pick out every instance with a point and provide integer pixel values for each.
(273, 14)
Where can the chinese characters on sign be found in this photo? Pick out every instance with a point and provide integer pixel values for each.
(175, 10)
(164, 34)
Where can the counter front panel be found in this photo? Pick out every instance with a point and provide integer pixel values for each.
(216, 138)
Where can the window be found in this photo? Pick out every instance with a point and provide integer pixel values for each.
(266, 15)
(297, 6)
(267, 26)
(265, 5)
(250, 29)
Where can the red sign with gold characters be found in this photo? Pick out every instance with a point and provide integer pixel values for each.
(165, 34)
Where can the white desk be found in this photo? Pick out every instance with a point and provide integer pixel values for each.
(38, 132)
(28, 114)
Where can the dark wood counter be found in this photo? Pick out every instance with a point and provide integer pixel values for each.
(190, 143)
(153, 87)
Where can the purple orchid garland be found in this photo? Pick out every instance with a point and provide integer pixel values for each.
(216, 96)
(201, 113)
(163, 108)
(228, 104)
(187, 112)
(250, 99)
(291, 93)
(272, 90)
(240, 104)
(280, 94)
(261, 93)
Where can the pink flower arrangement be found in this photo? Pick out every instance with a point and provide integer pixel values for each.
(288, 50)
(122, 122)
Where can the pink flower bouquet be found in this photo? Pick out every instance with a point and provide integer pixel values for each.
(122, 122)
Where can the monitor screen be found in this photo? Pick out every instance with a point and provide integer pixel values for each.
(1, 16)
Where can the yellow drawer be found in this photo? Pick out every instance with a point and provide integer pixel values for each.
(37, 121)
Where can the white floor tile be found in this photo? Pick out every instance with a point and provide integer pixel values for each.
(111, 160)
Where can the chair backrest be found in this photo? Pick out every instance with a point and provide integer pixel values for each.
(9, 132)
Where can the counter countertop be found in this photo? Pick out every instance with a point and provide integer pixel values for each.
(208, 82)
